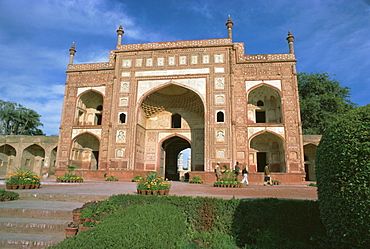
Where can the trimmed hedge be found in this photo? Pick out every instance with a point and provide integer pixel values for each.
(203, 222)
(342, 169)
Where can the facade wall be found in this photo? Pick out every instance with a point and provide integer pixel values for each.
(233, 107)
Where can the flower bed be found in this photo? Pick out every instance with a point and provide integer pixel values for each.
(112, 178)
(153, 184)
(196, 179)
(69, 177)
(23, 179)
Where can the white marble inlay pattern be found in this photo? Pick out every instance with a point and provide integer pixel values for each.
(198, 85)
(251, 83)
(172, 72)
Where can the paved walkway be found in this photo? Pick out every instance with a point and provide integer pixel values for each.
(102, 189)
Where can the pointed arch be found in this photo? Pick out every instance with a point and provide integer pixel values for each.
(171, 146)
(7, 156)
(85, 151)
(33, 158)
(268, 147)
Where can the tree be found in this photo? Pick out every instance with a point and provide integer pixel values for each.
(322, 101)
(342, 170)
(18, 120)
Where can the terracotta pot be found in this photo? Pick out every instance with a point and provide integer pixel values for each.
(76, 217)
(161, 192)
(14, 186)
(83, 228)
(167, 192)
(9, 186)
(71, 231)
(155, 192)
(27, 186)
(21, 186)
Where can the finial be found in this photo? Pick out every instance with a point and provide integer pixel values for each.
(120, 32)
(290, 40)
(229, 24)
(72, 52)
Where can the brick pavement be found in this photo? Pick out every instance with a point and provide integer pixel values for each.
(102, 189)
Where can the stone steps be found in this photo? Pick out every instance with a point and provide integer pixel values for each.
(34, 224)
(29, 240)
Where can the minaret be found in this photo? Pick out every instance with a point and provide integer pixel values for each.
(120, 32)
(72, 52)
(229, 24)
(290, 40)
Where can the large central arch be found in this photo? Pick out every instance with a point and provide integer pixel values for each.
(170, 110)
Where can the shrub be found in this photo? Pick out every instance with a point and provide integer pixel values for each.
(150, 226)
(274, 223)
(8, 195)
(342, 167)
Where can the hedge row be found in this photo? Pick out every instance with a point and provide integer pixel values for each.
(141, 221)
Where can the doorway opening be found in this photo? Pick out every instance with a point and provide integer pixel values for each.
(172, 147)
(261, 161)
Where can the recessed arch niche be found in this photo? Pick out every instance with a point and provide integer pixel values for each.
(264, 103)
(85, 151)
(89, 109)
(268, 148)
(33, 158)
(7, 156)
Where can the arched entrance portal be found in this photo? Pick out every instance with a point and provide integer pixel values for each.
(168, 111)
(171, 149)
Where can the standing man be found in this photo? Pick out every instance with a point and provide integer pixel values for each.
(267, 179)
(218, 171)
(245, 175)
(237, 169)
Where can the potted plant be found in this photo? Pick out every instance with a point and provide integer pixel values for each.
(71, 229)
(276, 182)
(87, 225)
(137, 178)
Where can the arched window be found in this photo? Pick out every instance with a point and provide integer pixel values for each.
(176, 121)
(220, 117)
(260, 103)
(122, 118)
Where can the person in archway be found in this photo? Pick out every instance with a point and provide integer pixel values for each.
(245, 176)
(218, 171)
(237, 169)
(267, 176)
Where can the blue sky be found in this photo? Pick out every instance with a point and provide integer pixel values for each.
(330, 36)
